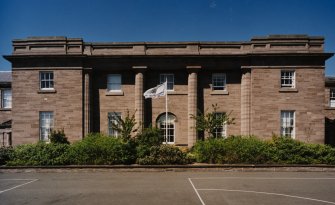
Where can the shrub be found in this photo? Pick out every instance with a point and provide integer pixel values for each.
(164, 155)
(234, 149)
(58, 136)
(151, 136)
(282, 150)
(146, 139)
(5, 154)
(290, 151)
(97, 149)
(209, 151)
(248, 149)
(40, 154)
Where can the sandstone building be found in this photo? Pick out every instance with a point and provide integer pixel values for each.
(330, 111)
(270, 85)
(5, 108)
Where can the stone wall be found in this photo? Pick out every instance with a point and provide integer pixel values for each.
(28, 101)
(268, 99)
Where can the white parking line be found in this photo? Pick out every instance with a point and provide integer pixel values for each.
(196, 191)
(29, 181)
(255, 192)
(17, 179)
(275, 178)
(268, 193)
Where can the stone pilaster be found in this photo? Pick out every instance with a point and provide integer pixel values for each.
(245, 101)
(192, 103)
(139, 99)
(87, 103)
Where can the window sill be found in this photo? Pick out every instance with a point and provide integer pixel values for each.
(219, 92)
(288, 90)
(5, 109)
(330, 108)
(46, 91)
(114, 93)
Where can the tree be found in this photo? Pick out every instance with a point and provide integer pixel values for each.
(58, 136)
(125, 126)
(210, 121)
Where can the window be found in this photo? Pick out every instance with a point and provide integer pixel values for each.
(287, 127)
(332, 97)
(218, 81)
(169, 78)
(6, 98)
(167, 127)
(113, 120)
(114, 82)
(46, 80)
(220, 131)
(287, 79)
(46, 125)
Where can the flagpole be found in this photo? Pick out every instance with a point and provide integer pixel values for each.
(166, 113)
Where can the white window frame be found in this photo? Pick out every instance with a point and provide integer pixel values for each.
(112, 119)
(287, 123)
(6, 103)
(170, 83)
(49, 78)
(219, 78)
(117, 81)
(287, 78)
(222, 130)
(332, 97)
(46, 124)
(171, 128)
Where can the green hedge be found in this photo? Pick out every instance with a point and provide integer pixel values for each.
(290, 151)
(251, 150)
(234, 149)
(97, 149)
(5, 154)
(164, 155)
(39, 154)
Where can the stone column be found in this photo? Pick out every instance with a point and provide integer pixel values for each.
(192, 102)
(139, 99)
(246, 101)
(87, 103)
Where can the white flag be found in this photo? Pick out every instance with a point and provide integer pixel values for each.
(158, 91)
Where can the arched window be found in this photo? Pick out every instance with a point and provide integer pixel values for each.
(168, 127)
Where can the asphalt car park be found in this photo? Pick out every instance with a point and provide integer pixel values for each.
(167, 187)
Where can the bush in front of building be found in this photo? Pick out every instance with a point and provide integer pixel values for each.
(164, 155)
(289, 151)
(5, 154)
(232, 150)
(40, 154)
(147, 138)
(58, 136)
(151, 151)
(98, 149)
(252, 150)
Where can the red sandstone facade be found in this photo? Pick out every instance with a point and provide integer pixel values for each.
(254, 90)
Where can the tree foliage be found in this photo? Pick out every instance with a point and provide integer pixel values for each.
(125, 126)
(210, 121)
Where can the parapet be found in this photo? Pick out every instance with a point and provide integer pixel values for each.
(76, 46)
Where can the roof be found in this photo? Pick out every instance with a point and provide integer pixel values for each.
(5, 76)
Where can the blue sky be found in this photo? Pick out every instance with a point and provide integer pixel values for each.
(165, 20)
